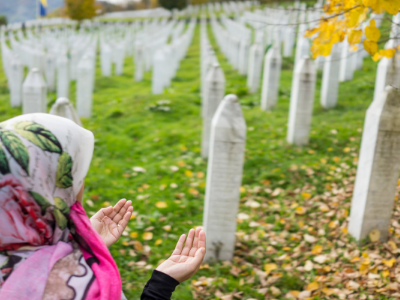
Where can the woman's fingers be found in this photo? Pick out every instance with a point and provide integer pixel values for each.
(195, 242)
(202, 240)
(118, 217)
(189, 242)
(198, 258)
(102, 213)
(120, 204)
(179, 245)
(124, 222)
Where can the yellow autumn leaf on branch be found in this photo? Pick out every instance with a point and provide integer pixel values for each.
(371, 47)
(354, 37)
(376, 5)
(391, 6)
(389, 53)
(372, 32)
(376, 57)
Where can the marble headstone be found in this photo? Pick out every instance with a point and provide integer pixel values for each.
(84, 87)
(388, 74)
(214, 93)
(378, 168)
(224, 178)
(272, 73)
(255, 67)
(34, 93)
(16, 80)
(50, 71)
(63, 108)
(301, 102)
(330, 80)
(63, 79)
(139, 63)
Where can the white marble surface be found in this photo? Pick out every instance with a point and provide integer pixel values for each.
(63, 79)
(224, 178)
(330, 79)
(34, 93)
(301, 102)
(271, 77)
(214, 93)
(63, 108)
(388, 74)
(254, 67)
(84, 87)
(378, 168)
(50, 71)
(16, 77)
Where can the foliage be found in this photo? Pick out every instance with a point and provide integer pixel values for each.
(294, 202)
(80, 9)
(3, 20)
(198, 2)
(345, 18)
(172, 4)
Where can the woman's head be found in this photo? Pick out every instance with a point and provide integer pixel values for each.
(44, 160)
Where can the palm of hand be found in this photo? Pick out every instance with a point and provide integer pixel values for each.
(111, 222)
(184, 262)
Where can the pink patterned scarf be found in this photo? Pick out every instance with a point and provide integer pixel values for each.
(48, 248)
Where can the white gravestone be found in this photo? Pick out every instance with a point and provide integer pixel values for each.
(272, 73)
(378, 168)
(63, 108)
(214, 93)
(301, 102)
(17, 78)
(388, 74)
(346, 63)
(224, 178)
(34, 93)
(63, 79)
(159, 72)
(139, 63)
(106, 60)
(255, 67)
(330, 80)
(244, 56)
(84, 87)
(119, 59)
(50, 71)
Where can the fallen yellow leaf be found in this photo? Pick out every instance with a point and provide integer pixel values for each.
(147, 236)
(133, 235)
(158, 242)
(167, 227)
(316, 250)
(313, 286)
(300, 210)
(389, 263)
(374, 235)
(268, 268)
(161, 204)
(328, 291)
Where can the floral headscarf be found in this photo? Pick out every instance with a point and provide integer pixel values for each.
(48, 249)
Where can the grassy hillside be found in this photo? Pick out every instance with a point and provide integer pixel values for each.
(294, 204)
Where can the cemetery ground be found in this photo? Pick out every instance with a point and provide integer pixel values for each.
(292, 239)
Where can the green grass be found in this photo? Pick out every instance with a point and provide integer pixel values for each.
(281, 179)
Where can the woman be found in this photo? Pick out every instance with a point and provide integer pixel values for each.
(49, 249)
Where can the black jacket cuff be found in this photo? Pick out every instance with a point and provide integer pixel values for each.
(160, 287)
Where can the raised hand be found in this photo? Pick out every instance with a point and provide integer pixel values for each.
(185, 261)
(110, 222)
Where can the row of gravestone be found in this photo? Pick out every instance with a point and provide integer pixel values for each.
(379, 163)
(79, 62)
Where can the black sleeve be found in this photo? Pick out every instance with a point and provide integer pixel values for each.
(160, 287)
